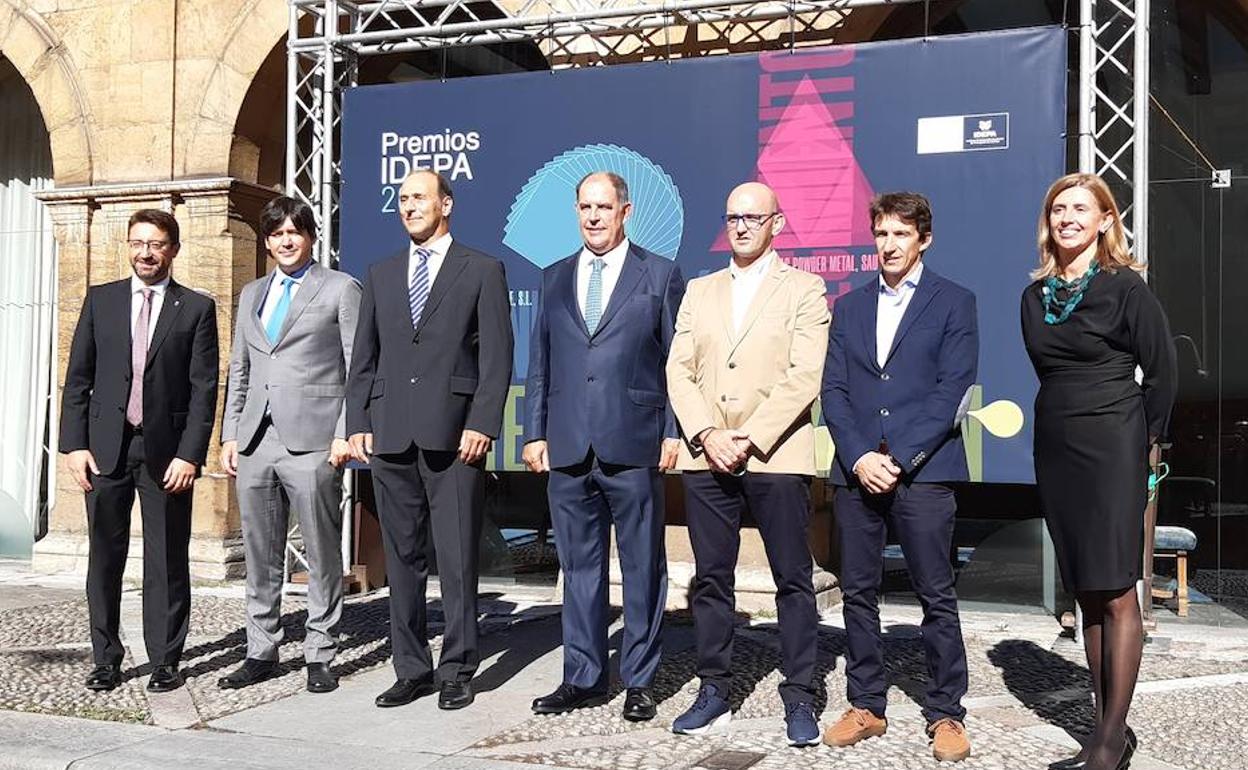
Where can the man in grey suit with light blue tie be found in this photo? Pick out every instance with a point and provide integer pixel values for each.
(284, 437)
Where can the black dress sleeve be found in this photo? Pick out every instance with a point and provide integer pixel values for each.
(1153, 347)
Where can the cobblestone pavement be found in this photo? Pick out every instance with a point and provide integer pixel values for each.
(1027, 688)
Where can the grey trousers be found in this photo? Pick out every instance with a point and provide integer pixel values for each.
(271, 483)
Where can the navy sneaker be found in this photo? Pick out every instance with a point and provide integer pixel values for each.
(709, 712)
(802, 727)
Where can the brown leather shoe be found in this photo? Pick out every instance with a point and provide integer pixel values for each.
(855, 725)
(949, 741)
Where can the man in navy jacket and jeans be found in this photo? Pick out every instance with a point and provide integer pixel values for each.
(902, 356)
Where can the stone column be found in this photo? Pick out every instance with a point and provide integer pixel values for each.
(219, 256)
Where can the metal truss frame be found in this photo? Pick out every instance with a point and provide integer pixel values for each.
(329, 38)
(1113, 106)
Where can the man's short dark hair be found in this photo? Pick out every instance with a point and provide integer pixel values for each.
(617, 181)
(910, 207)
(444, 184)
(162, 219)
(278, 210)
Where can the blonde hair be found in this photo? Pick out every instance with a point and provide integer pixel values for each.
(1111, 245)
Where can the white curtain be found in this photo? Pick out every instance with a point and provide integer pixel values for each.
(27, 317)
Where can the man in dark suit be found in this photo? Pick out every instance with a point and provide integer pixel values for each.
(598, 419)
(902, 356)
(136, 414)
(430, 369)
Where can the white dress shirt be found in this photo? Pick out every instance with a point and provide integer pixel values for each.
(437, 255)
(136, 304)
(614, 263)
(745, 284)
(890, 307)
(276, 287)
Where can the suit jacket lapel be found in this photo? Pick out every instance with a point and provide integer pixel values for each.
(257, 307)
(452, 265)
(123, 299)
(164, 322)
(927, 289)
(723, 300)
(776, 273)
(312, 283)
(565, 284)
(631, 273)
(869, 319)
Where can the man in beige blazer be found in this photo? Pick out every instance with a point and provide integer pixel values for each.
(744, 369)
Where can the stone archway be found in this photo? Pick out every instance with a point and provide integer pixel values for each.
(38, 54)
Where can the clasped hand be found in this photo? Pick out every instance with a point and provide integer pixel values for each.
(726, 450)
(877, 473)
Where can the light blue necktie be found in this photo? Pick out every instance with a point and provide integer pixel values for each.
(418, 290)
(274, 326)
(593, 297)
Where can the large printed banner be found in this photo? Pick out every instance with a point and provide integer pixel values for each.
(974, 122)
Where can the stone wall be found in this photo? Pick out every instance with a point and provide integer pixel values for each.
(142, 101)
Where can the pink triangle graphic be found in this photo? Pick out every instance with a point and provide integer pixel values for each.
(810, 164)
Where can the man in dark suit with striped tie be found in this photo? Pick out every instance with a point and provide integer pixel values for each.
(430, 369)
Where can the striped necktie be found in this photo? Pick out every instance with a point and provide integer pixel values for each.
(593, 296)
(418, 289)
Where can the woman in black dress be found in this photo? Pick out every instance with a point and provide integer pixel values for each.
(1089, 320)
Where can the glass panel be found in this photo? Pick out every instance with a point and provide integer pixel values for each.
(1197, 268)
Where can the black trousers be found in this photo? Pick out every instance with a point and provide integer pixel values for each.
(166, 569)
(423, 494)
(922, 518)
(780, 503)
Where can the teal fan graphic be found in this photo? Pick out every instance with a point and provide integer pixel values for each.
(542, 225)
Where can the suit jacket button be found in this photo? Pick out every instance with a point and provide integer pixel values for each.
(883, 412)
(414, 380)
(590, 378)
(732, 364)
(884, 376)
(723, 398)
(274, 355)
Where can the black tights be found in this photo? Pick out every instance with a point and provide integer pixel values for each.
(1113, 638)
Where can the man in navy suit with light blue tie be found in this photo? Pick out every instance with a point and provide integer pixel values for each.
(598, 420)
(902, 356)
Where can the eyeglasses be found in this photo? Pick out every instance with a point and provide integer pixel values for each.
(156, 247)
(752, 221)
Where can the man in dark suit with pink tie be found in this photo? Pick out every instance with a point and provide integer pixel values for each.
(136, 414)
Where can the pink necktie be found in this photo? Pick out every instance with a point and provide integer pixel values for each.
(138, 361)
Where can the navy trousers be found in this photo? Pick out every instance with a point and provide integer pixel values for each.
(780, 503)
(921, 516)
(585, 500)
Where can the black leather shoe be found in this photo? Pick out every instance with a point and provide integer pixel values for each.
(320, 679)
(251, 672)
(567, 697)
(455, 695)
(639, 705)
(404, 691)
(164, 678)
(104, 677)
